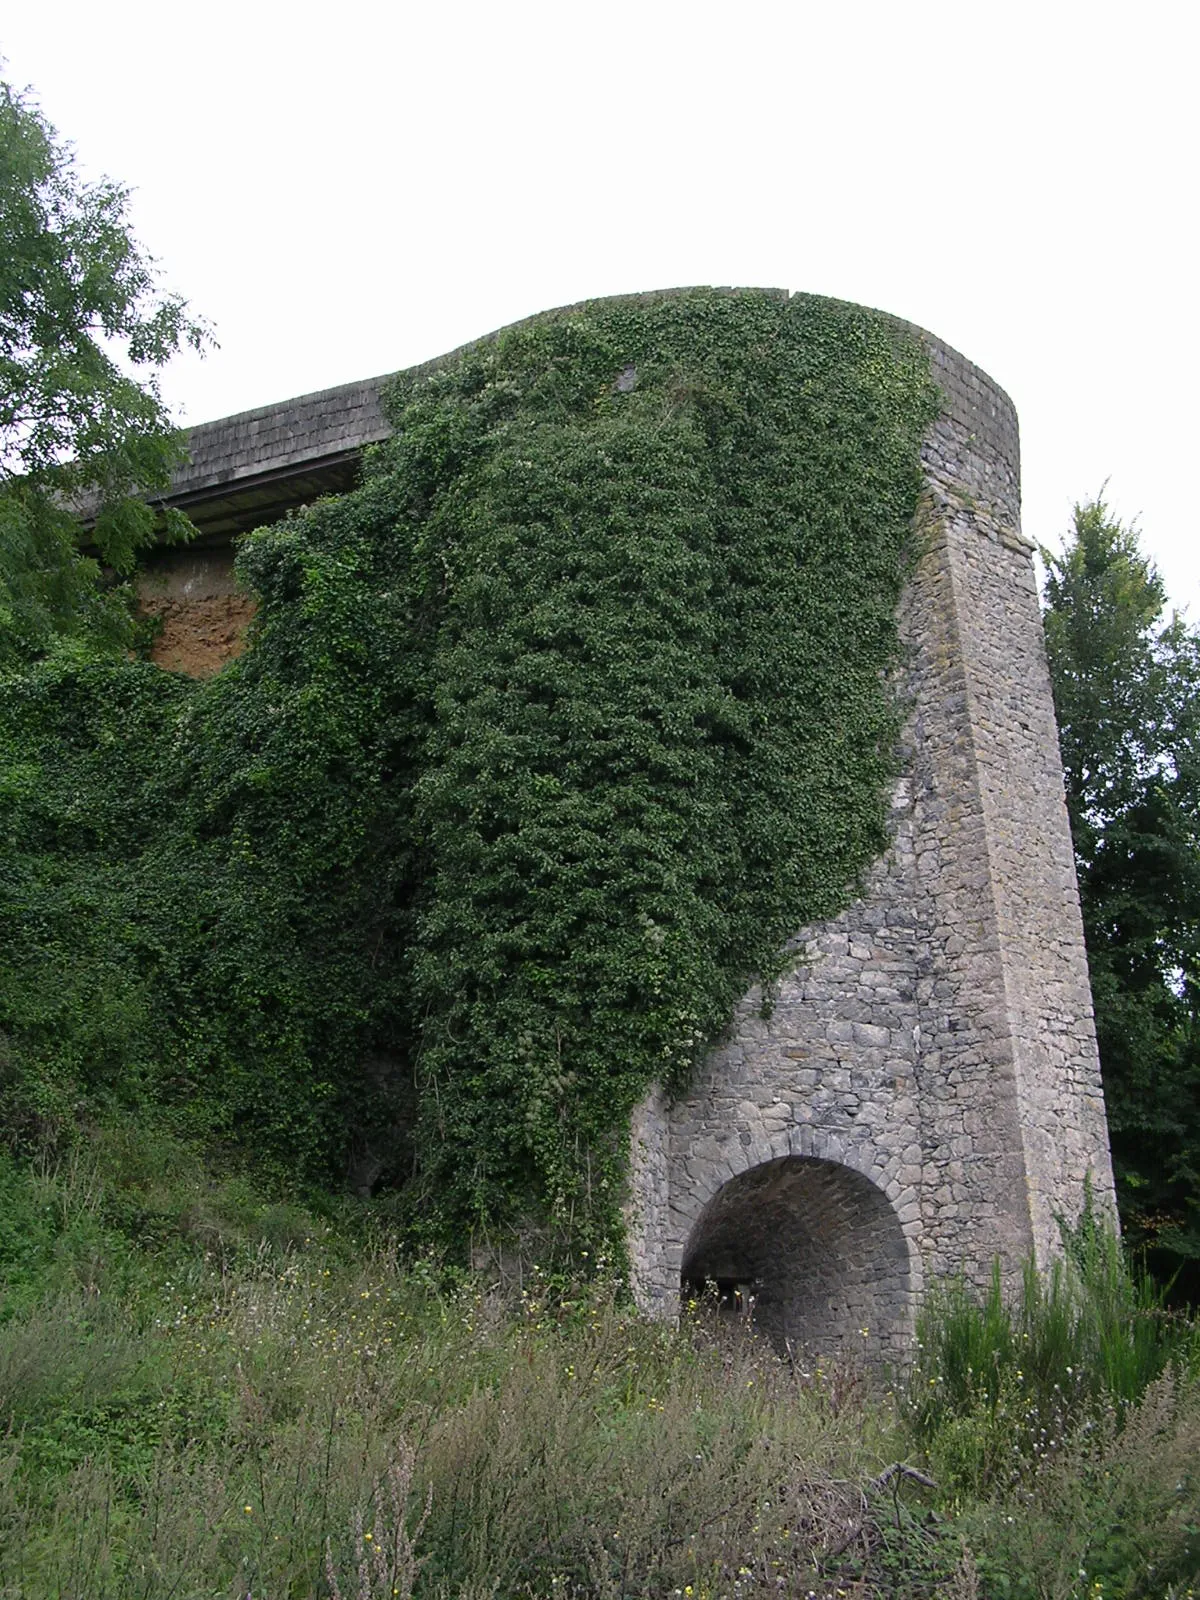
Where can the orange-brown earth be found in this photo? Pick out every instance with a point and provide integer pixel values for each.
(203, 610)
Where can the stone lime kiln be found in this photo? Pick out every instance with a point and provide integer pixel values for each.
(923, 1093)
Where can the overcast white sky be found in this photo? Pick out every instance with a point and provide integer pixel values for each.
(347, 189)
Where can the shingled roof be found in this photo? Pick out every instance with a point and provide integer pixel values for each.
(250, 469)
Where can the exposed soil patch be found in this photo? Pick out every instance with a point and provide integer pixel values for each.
(199, 635)
(204, 611)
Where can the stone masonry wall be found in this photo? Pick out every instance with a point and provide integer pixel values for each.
(935, 1039)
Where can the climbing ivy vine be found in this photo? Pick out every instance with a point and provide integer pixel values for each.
(550, 735)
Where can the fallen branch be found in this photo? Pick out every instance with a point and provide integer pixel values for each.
(898, 1469)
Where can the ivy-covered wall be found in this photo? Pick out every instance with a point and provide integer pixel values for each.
(548, 737)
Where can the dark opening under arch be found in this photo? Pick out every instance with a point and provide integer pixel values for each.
(811, 1250)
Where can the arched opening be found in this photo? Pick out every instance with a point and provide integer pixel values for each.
(812, 1251)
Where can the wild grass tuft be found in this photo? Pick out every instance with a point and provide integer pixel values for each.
(1087, 1334)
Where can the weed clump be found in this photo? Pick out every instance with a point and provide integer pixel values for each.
(1063, 1424)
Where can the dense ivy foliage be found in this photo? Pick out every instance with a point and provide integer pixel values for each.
(549, 737)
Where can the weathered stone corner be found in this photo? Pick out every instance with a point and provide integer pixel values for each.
(925, 1093)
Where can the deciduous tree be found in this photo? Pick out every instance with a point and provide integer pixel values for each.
(84, 330)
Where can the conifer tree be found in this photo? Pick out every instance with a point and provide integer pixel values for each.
(1127, 693)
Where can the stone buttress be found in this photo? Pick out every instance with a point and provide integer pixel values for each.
(924, 1093)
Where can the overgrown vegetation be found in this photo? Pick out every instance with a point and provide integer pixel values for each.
(548, 739)
(210, 1394)
(998, 1376)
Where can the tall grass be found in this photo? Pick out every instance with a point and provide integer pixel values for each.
(237, 1444)
(1063, 1426)
(218, 1413)
(206, 1395)
(1088, 1332)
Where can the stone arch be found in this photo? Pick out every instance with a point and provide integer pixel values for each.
(812, 1250)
